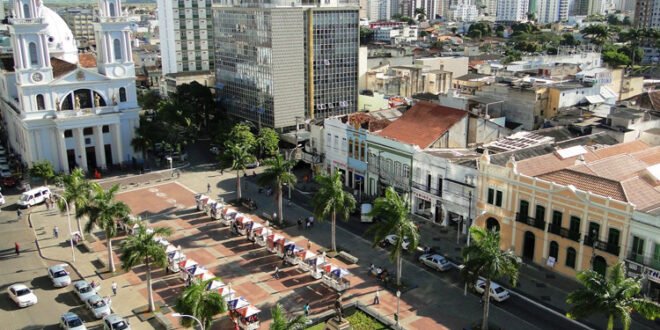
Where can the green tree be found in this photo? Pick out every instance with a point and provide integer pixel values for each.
(568, 39)
(616, 296)
(198, 102)
(453, 30)
(201, 303)
(332, 200)
(149, 100)
(366, 35)
(42, 169)
(242, 134)
(77, 193)
(278, 173)
(268, 142)
(485, 259)
(598, 34)
(282, 322)
(420, 14)
(141, 143)
(142, 248)
(240, 158)
(627, 21)
(614, 58)
(104, 212)
(394, 211)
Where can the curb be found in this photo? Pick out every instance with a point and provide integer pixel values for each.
(36, 241)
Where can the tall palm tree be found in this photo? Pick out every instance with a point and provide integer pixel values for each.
(141, 144)
(485, 259)
(76, 193)
(616, 296)
(142, 248)
(240, 158)
(394, 212)
(282, 322)
(201, 303)
(278, 173)
(330, 200)
(104, 212)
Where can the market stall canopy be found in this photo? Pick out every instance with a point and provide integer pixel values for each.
(248, 311)
(237, 303)
(339, 272)
(215, 284)
(187, 263)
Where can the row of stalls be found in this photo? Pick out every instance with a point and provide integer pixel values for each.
(241, 224)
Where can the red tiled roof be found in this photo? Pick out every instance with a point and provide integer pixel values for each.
(87, 60)
(423, 124)
(61, 67)
(587, 182)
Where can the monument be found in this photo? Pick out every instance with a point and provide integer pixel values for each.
(338, 322)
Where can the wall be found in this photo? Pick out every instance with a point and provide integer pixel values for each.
(362, 67)
(458, 66)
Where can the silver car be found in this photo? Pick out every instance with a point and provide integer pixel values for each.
(115, 322)
(99, 306)
(71, 321)
(84, 290)
(435, 261)
(59, 276)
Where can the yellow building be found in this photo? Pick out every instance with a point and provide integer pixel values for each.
(553, 209)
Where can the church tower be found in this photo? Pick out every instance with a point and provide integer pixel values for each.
(113, 46)
(29, 38)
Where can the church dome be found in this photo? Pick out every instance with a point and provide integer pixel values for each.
(61, 42)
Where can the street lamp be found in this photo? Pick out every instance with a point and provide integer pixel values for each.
(199, 323)
(398, 296)
(68, 218)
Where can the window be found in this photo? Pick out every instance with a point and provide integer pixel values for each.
(41, 105)
(554, 250)
(343, 144)
(613, 237)
(575, 225)
(397, 169)
(116, 45)
(88, 131)
(638, 249)
(556, 219)
(523, 209)
(363, 150)
(350, 148)
(655, 263)
(491, 196)
(32, 49)
(68, 133)
(498, 199)
(439, 186)
(540, 213)
(122, 94)
(570, 257)
(594, 230)
(336, 145)
(406, 171)
(388, 166)
(105, 129)
(356, 150)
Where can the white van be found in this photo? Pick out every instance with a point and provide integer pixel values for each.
(34, 196)
(365, 213)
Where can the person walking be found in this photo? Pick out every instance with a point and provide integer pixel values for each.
(56, 232)
(114, 288)
(377, 297)
(17, 248)
(306, 309)
(309, 245)
(208, 188)
(277, 272)
(19, 213)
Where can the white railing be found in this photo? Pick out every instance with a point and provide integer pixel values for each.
(36, 20)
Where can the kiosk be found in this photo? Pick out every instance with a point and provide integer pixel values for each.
(291, 252)
(242, 224)
(201, 201)
(248, 318)
(261, 235)
(336, 278)
(273, 242)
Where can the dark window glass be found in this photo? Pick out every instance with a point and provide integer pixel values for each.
(491, 196)
(68, 133)
(570, 257)
(554, 250)
(88, 131)
(498, 199)
(575, 225)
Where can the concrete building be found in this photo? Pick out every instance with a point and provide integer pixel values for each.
(379, 10)
(186, 35)
(647, 14)
(551, 11)
(458, 66)
(627, 125)
(70, 109)
(430, 7)
(570, 209)
(463, 11)
(512, 10)
(80, 20)
(305, 65)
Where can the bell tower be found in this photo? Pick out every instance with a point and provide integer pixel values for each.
(113, 40)
(30, 43)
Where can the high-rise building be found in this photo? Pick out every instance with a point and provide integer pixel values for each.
(596, 7)
(551, 11)
(512, 10)
(379, 10)
(580, 8)
(647, 14)
(277, 64)
(463, 11)
(430, 7)
(186, 35)
(80, 20)
(71, 109)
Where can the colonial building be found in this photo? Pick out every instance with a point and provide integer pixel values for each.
(69, 109)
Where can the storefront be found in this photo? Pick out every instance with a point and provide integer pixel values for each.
(650, 279)
(427, 206)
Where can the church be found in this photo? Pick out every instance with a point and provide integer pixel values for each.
(74, 110)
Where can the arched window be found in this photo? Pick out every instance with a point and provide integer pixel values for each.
(32, 50)
(554, 250)
(570, 257)
(26, 10)
(122, 94)
(41, 105)
(86, 98)
(117, 49)
(492, 224)
(112, 9)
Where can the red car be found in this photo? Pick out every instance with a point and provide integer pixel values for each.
(9, 181)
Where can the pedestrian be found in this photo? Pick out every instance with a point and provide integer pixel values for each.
(56, 232)
(19, 213)
(311, 221)
(306, 309)
(274, 216)
(236, 326)
(377, 297)
(208, 188)
(114, 288)
(309, 245)
(277, 272)
(167, 270)
(17, 248)
(300, 225)
(222, 171)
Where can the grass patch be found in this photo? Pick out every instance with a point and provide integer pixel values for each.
(359, 321)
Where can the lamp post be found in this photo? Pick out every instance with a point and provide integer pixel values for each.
(199, 323)
(68, 218)
(398, 297)
(469, 216)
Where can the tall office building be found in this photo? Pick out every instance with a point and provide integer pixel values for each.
(277, 64)
(512, 10)
(80, 20)
(430, 7)
(647, 14)
(551, 11)
(186, 35)
(379, 10)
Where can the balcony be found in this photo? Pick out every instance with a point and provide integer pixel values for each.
(650, 261)
(610, 248)
(530, 221)
(35, 20)
(426, 188)
(563, 232)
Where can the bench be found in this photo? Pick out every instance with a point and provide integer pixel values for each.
(163, 321)
(348, 257)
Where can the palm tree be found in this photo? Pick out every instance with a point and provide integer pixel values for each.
(278, 174)
(394, 212)
(330, 200)
(104, 212)
(141, 143)
(240, 158)
(282, 322)
(142, 248)
(76, 193)
(201, 303)
(616, 296)
(485, 259)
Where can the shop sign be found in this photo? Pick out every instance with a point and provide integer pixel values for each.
(422, 196)
(634, 269)
(652, 274)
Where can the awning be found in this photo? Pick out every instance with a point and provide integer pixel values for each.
(595, 99)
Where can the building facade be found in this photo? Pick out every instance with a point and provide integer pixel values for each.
(512, 10)
(186, 35)
(551, 11)
(430, 7)
(66, 108)
(379, 10)
(81, 23)
(276, 63)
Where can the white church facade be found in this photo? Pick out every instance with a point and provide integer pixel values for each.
(74, 110)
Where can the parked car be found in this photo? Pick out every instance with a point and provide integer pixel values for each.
(115, 322)
(5, 173)
(22, 295)
(252, 165)
(497, 292)
(71, 321)
(391, 239)
(435, 261)
(99, 306)
(34, 196)
(2, 199)
(9, 181)
(84, 290)
(59, 276)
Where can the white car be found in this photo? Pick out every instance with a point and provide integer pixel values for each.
(5, 173)
(2, 199)
(84, 291)
(391, 240)
(71, 321)
(59, 275)
(22, 295)
(99, 306)
(435, 261)
(497, 292)
(115, 322)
